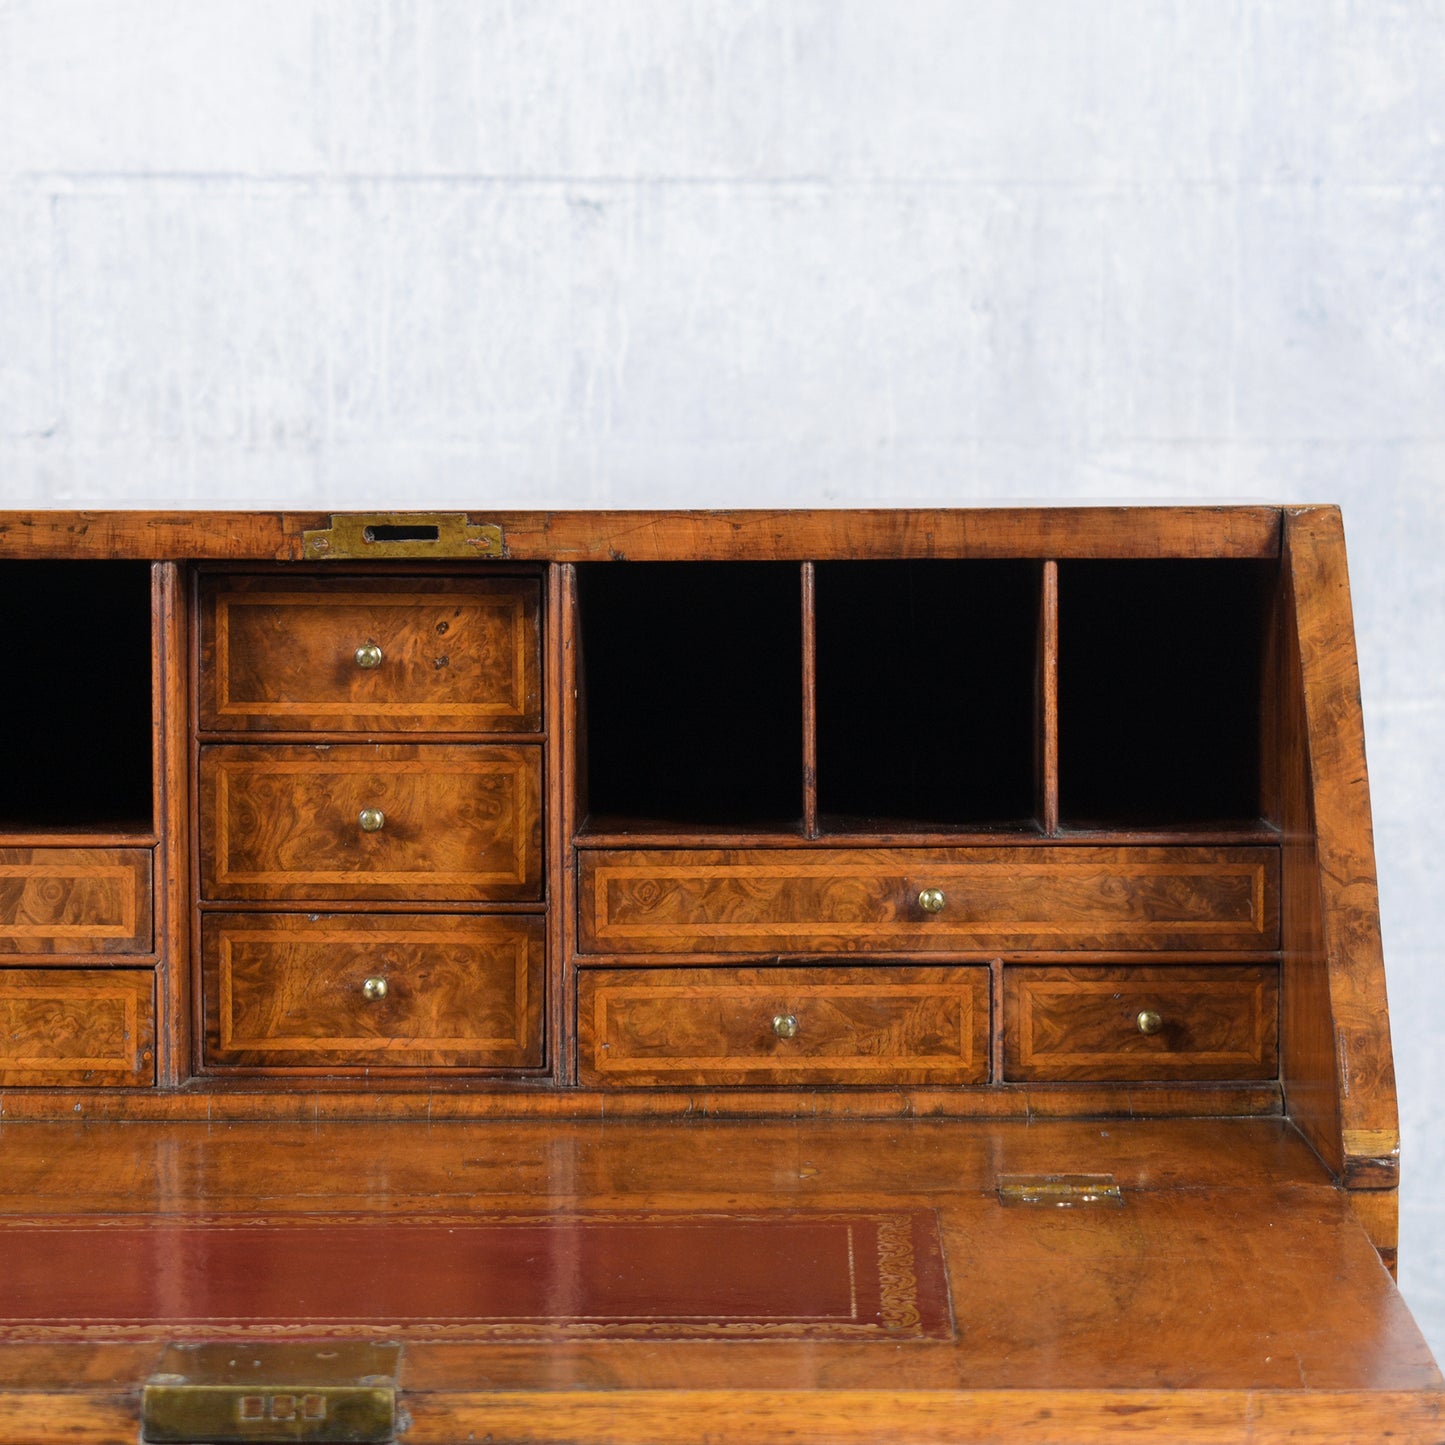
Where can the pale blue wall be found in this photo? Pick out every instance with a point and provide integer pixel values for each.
(766, 251)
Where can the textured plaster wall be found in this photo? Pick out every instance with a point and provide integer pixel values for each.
(749, 252)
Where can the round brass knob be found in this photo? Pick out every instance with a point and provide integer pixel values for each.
(374, 990)
(931, 900)
(785, 1025)
(1148, 1022)
(372, 820)
(368, 655)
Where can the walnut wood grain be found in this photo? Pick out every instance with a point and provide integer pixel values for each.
(67, 1027)
(460, 822)
(75, 900)
(612, 536)
(1218, 1022)
(1338, 1066)
(457, 655)
(288, 991)
(847, 900)
(716, 1026)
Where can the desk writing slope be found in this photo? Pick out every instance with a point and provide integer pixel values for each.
(845, 976)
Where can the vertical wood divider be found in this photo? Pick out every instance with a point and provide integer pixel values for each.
(995, 1033)
(1049, 698)
(562, 721)
(170, 701)
(810, 701)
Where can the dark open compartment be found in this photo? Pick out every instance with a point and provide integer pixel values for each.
(1162, 691)
(692, 693)
(75, 726)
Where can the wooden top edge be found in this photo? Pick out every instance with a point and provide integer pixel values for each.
(1073, 531)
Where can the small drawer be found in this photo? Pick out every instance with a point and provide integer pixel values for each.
(77, 1027)
(75, 900)
(1183, 1022)
(822, 1025)
(402, 991)
(828, 900)
(328, 654)
(432, 822)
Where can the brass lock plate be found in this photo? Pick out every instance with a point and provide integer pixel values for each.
(342, 1393)
(378, 536)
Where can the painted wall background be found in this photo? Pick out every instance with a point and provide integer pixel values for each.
(756, 252)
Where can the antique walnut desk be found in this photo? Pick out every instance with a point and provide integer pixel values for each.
(665, 977)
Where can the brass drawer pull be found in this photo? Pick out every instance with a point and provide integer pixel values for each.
(1148, 1022)
(374, 990)
(785, 1025)
(931, 900)
(372, 820)
(368, 655)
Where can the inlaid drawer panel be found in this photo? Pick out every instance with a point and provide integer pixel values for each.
(75, 900)
(438, 822)
(373, 991)
(376, 655)
(824, 1025)
(923, 900)
(1137, 1023)
(76, 1026)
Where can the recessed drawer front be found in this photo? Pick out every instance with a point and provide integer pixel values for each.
(75, 900)
(924, 900)
(76, 1026)
(373, 991)
(439, 822)
(822, 1025)
(381, 655)
(1141, 1023)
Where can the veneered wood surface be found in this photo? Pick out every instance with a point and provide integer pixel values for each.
(609, 536)
(75, 900)
(286, 990)
(716, 1026)
(1338, 1067)
(1232, 1297)
(841, 900)
(1219, 1022)
(282, 822)
(278, 653)
(74, 1026)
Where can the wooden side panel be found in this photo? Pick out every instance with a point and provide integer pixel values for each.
(1338, 1068)
(450, 655)
(301, 991)
(74, 1026)
(1085, 1023)
(458, 823)
(784, 1025)
(841, 900)
(75, 900)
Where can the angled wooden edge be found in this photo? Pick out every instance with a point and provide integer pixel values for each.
(1338, 1070)
(602, 536)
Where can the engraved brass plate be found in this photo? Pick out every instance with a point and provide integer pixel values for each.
(381, 535)
(342, 1393)
(1063, 1191)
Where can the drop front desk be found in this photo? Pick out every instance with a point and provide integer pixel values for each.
(853, 976)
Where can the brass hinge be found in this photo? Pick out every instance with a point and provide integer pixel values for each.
(342, 1393)
(380, 535)
(1064, 1191)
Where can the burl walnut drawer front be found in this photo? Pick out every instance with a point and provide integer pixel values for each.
(783, 1026)
(1141, 1023)
(922, 900)
(373, 991)
(439, 822)
(75, 900)
(380, 655)
(76, 1026)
